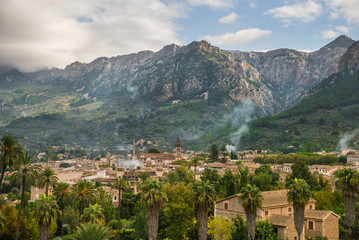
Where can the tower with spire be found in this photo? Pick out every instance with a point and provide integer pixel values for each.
(178, 150)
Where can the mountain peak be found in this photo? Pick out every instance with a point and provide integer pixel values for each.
(169, 49)
(342, 41)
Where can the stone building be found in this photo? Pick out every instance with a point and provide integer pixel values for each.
(279, 211)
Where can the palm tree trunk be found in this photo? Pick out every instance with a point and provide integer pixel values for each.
(2, 174)
(119, 213)
(251, 225)
(47, 190)
(20, 208)
(153, 213)
(299, 218)
(44, 232)
(80, 212)
(62, 221)
(202, 218)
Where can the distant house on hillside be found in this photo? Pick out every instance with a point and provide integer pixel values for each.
(279, 211)
(353, 159)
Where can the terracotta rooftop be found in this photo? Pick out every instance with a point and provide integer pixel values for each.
(159, 156)
(271, 198)
(280, 220)
(318, 214)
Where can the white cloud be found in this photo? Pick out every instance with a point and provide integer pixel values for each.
(229, 18)
(36, 34)
(342, 29)
(328, 34)
(212, 3)
(347, 9)
(252, 4)
(301, 11)
(238, 38)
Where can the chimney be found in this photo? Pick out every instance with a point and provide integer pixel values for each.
(134, 151)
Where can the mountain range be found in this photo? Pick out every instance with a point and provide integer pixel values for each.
(198, 91)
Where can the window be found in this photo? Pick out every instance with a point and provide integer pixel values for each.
(115, 191)
(226, 205)
(266, 213)
(311, 225)
(295, 238)
(310, 207)
(115, 198)
(290, 210)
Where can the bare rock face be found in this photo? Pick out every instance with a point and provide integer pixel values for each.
(290, 73)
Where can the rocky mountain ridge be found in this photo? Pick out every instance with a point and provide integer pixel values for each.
(189, 90)
(273, 80)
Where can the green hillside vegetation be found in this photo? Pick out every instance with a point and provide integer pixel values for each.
(61, 116)
(316, 123)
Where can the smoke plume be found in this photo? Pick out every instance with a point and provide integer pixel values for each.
(345, 138)
(240, 117)
(133, 90)
(128, 164)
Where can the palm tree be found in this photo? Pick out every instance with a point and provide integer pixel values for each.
(47, 178)
(243, 176)
(83, 193)
(26, 174)
(120, 184)
(204, 197)
(252, 200)
(348, 179)
(61, 192)
(299, 193)
(195, 162)
(154, 197)
(94, 213)
(45, 212)
(10, 151)
(142, 178)
(173, 178)
(91, 231)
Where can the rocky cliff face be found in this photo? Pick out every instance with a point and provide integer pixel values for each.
(290, 73)
(350, 60)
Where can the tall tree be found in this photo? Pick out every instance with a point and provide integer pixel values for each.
(243, 176)
(154, 197)
(94, 213)
(45, 212)
(25, 173)
(229, 183)
(252, 200)
(61, 192)
(195, 162)
(142, 178)
(299, 193)
(213, 153)
(348, 179)
(121, 184)
(83, 193)
(204, 197)
(47, 178)
(10, 150)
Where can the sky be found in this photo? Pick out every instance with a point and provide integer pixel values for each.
(37, 34)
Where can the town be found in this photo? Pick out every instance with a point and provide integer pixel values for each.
(251, 194)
